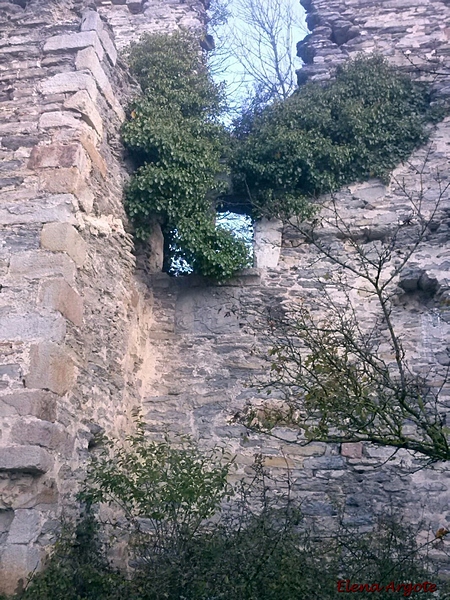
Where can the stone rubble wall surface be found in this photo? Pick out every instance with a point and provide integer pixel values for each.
(132, 18)
(73, 313)
(408, 32)
(87, 334)
(203, 342)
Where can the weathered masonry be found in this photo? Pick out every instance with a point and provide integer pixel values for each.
(88, 333)
(74, 315)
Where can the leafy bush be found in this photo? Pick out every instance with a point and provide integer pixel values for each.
(196, 538)
(174, 488)
(174, 136)
(77, 568)
(360, 125)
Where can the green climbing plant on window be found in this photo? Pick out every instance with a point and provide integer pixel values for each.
(176, 140)
(360, 124)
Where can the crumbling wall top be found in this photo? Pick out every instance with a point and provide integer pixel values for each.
(413, 34)
(129, 19)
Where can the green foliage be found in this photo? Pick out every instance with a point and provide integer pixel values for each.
(78, 568)
(257, 547)
(360, 125)
(173, 488)
(175, 138)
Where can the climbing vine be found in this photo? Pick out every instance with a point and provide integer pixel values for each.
(360, 125)
(175, 137)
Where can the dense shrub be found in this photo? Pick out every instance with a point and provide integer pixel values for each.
(359, 125)
(78, 568)
(193, 537)
(174, 136)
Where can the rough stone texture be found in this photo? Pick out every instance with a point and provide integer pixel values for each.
(409, 32)
(129, 19)
(86, 337)
(63, 237)
(201, 338)
(25, 459)
(73, 315)
(267, 243)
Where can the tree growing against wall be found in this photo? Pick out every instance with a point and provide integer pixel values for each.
(360, 125)
(195, 537)
(281, 156)
(176, 141)
(339, 361)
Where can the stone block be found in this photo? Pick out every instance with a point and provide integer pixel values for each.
(14, 142)
(31, 326)
(267, 243)
(352, 450)
(70, 82)
(63, 237)
(51, 368)
(74, 41)
(87, 59)
(108, 46)
(85, 198)
(95, 156)
(36, 264)
(18, 128)
(155, 243)
(35, 403)
(409, 278)
(59, 155)
(281, 462)
(18, 561)
(42, 433)
(325, 462)
(62, 181)
(135, 6)
(25, 526)
(42, 498)
(59, 295)
(91, 21)
(10, 376)
(81, 101)
(25, 459)
(53, 208)
(308, 450)
(10, 181)
(59, 119)
(369, 191)
(6, 518)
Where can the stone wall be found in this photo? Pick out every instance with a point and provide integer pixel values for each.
(131, 18)
(407, 31)
(204, 345)
(87, 334)
(73, 312)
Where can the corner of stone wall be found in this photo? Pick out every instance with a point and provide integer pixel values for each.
(71, 311)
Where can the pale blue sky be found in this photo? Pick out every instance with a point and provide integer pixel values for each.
(237, 37)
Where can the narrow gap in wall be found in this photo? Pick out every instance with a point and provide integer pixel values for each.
(242, 56)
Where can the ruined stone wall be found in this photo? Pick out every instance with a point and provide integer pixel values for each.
(201, 335)
(73, 312)
(86, 336)
(406, 31)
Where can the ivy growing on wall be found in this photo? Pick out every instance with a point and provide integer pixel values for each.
(360, 125)
(177, 142)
